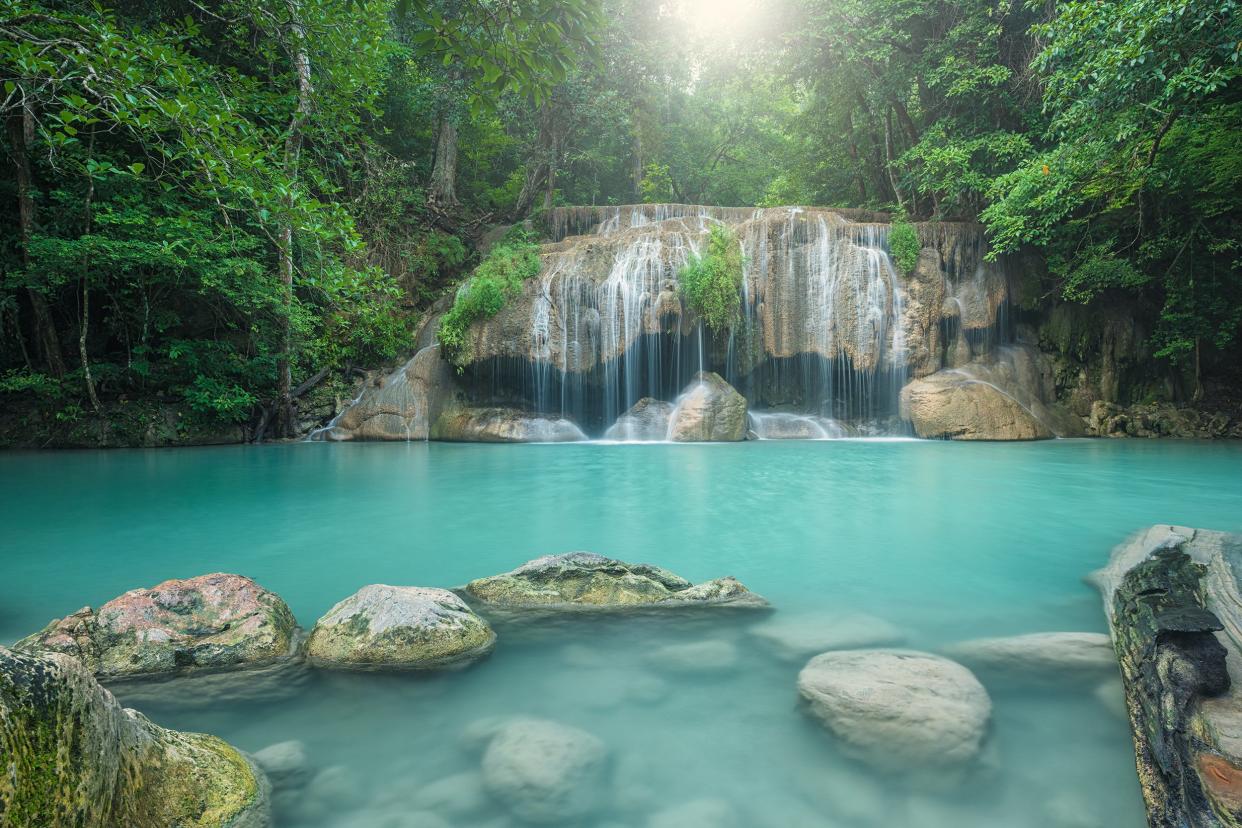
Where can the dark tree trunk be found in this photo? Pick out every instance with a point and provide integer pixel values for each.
(444, 173)
(541, 174)
(47, 342)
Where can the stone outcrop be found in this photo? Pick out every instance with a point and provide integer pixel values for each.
(1174, 605)
(210, 622)
(584, 580)
(400, 406)
(464, 424)
(1052, 656)
(74, 758)
(646, 421)
(708, 411)
(383, 627)
(1005, 395)
(544, 772)
(1159, 420)
(897, 709)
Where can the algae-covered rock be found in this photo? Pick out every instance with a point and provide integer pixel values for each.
(543, 771)
(589, 581)
(709, 410)
(212, 621)
(74, 758)
(898, 709)
(397, 627)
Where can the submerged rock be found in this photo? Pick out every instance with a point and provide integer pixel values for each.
(589, 581)
(394, 627)
(701, 813)
(501, 425)
(74, 757)
(1043, 654)
(646, 421)
(695, 657)
(709, 410)
(545, 772)
(898, 709)
(285, 764)
(213, 621)
(796, 637)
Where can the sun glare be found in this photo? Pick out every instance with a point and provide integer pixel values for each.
(721, 18)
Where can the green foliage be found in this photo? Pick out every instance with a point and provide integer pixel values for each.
(657, 185)
(903, 243)
(710, 283)
(496, 280)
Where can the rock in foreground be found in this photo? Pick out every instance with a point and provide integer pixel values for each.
(213, 622)
(74, 757)
(395, 627)
(898, 709)
(544, 772)
(1172, 597)
(588, 581)
(709, 411)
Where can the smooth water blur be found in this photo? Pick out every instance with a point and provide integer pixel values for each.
(946, 540)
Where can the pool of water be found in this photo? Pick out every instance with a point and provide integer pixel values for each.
(947, 541)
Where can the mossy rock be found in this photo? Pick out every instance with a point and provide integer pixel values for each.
(75, 757)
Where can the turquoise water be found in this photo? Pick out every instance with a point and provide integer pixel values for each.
(947, 541)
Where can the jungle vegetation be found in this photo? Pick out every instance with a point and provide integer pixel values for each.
(219, 205)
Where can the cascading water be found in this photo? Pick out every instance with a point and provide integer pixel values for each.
(828, 328)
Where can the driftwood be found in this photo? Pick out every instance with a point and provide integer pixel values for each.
(1168, 594)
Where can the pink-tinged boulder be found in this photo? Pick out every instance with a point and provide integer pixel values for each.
(213, 622)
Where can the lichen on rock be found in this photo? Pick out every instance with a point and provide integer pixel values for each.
(215, 621)
(74, 757)
(585, 580)
(395, 627)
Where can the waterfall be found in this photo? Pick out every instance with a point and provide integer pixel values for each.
(829, 329)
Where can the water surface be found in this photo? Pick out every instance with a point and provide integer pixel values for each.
(948, 541)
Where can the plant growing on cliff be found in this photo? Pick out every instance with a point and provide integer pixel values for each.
(903, 243)
(709, 283)
(496, 280)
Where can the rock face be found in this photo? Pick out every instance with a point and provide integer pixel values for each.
(544, 772)
(584, 580)
(709, 411)
(214, 622)
(393, 627)
(460, 424)
(1005, 395)
(646, 421)
(74, 757)
(401, 406)
(898, 709)
(1172, 596)
(1048, 655)
(1159, 420)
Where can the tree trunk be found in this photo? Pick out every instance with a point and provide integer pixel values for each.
(638, 164)
(47, 343)
(293, 152)
(859, 180)
(444, 173)
(888, 148)
(541, 170)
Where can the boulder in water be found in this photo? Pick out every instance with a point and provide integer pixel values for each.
(777, 425)
(584, 580)
(383, 627)
(216, 621)
(73, 756)
(700, 813)
(545, 772)
(400, 406)
(898, 709)
(646, 421)
(1048, 655)
(459, 424)
(951, 405)
(285, 764)
(709, 410)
